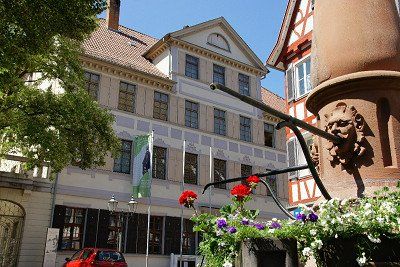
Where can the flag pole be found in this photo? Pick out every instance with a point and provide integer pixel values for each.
(210, 180)
(182, 189)
(149, 208)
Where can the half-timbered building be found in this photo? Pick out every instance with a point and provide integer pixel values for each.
(291, 54)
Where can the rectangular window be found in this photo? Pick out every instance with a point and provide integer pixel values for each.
(190, 168)
(192, 67)
(188, 245)
(73, 229)
(219, 122)
(160, 109)
(114, 227)
(245, 129)
(92, 84)
(123, 162)
(271, 180)
(244, 84)
(126, 99)
(220, 172)
(246, 170)
(269, 135)
(191, 114)
(218, 74)
(303, 77)
(156, 235)
(159, 162)
(173, 233)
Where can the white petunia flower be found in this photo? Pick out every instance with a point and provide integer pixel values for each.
(336, 236)
(227, 264)
(317, 244)
(362, 260)
(373, 239)
(307, 251)
(313, 232)
(380, 220)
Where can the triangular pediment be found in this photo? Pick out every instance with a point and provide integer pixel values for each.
(218, 36)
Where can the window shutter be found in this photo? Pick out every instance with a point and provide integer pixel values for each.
(131, 246)
(91, 227)
(289, 84)
(142, 234)
(172, 235)
(292, 155)
(301, 160)
(103, 231)
(58, 221)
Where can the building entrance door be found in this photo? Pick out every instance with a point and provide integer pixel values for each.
(12, 217)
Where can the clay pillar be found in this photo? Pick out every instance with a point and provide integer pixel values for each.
(356, 81)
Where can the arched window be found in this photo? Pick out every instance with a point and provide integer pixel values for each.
(217, 40)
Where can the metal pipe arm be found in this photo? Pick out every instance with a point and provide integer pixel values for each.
(264, 174)
(276, 113)
(273, 172)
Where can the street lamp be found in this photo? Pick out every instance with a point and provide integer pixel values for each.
(112, 204)
(112, 207)
(132, 205)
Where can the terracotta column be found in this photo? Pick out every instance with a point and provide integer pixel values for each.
(356, 81)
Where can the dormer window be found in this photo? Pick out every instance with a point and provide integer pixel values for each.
(217, 40)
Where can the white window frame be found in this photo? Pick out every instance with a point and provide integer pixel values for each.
(296, 77)
(300, 155)
(299, 158)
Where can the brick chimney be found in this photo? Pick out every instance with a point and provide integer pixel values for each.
(113, 14)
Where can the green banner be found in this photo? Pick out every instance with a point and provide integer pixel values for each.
(142, 166)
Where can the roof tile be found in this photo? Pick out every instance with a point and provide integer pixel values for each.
(273, 100)
(124, 47)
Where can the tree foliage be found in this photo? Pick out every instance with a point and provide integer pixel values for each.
(45, 125)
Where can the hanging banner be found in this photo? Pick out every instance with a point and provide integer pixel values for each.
(142, 170)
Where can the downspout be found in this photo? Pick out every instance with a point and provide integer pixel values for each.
(53, 198)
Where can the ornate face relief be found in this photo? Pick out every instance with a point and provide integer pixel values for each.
(345, 122)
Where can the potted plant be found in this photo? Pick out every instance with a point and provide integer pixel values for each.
(350, 232)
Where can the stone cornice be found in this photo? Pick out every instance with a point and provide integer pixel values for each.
(205, 53)
(132, 75)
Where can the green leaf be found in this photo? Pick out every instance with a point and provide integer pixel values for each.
(58, 128)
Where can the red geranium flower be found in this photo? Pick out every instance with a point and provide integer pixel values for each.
(240, 191)
(187, 198)
(253, 180)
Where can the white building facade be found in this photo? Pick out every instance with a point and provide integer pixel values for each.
(161, 86)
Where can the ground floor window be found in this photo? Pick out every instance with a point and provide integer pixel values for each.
(71, 221)
(85, 227)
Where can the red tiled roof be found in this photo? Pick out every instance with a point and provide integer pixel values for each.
(273, 100)
(124, 47)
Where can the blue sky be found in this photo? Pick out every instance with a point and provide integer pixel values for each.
(257, 21)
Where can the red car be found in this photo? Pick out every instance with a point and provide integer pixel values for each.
(96, 257)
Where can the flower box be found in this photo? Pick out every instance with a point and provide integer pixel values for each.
(343, 252)
(268, 252)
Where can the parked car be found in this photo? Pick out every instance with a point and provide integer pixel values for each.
(96, 257)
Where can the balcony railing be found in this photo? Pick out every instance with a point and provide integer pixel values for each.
(12, 166)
